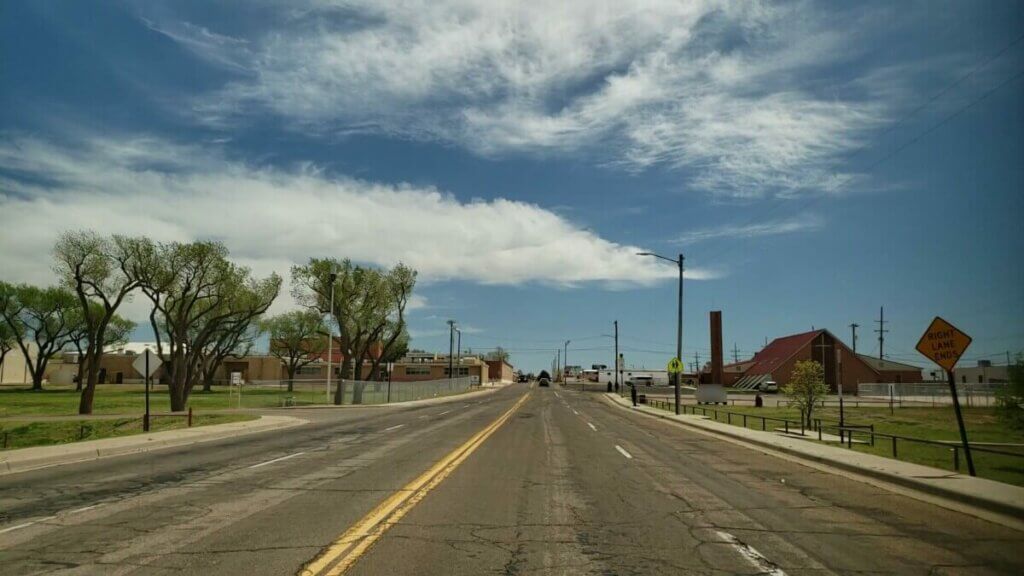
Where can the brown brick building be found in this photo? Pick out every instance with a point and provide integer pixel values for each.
(776, 361)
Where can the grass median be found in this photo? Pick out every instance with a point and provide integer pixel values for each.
(926, 423)
(23, 434)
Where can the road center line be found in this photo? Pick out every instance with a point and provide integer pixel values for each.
(343, 553)
(757, 559)
(394, 427)
(622, 451)
(277, 460)
(592, 427)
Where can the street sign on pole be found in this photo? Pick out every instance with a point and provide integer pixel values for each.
(147, 364)
(675, 366)
(943, 344)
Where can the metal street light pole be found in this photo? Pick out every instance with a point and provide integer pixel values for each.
(679, 320)
(451, 345)
(330, 336)
(458, 351)
(565, 361)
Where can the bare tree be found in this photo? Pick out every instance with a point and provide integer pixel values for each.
(100, 270)
(297, 339)
(39, 317)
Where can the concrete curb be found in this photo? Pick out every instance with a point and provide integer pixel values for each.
(1002, 503)
(25, 459)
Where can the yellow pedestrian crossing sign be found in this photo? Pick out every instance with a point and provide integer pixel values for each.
(675, 366)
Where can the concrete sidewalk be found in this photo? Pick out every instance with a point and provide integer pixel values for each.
(23, 459)
(988, 499)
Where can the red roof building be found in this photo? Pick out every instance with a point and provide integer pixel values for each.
(775, 362)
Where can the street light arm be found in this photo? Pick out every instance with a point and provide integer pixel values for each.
(665, 258)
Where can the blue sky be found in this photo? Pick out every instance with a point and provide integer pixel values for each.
(814, 161)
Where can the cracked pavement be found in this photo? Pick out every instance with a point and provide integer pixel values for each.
(546, 494)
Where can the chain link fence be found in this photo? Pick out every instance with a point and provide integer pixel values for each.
(971, 394)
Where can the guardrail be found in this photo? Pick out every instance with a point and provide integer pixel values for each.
(845, 432)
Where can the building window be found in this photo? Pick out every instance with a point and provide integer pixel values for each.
(463, 371)
(417, 370)
(981, 379)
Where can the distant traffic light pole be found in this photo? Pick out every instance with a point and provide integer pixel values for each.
(679, 322)
(451, 346)
(333, 277)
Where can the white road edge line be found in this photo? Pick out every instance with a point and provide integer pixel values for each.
(757, 559)
(277, 460)
(592, 427)
(394, 428)
(26, 524)
(623, 452)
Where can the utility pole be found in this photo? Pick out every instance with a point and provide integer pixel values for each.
(451, 346)
(735, 353)
(679, 320)
(565, 360)
(558, 365)
(615, 364)
(881, 330)
(853, 330)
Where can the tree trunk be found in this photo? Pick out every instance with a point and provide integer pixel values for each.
(80, 375)
(291, 379)
(177, 393)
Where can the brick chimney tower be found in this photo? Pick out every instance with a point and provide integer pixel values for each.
(716, 347)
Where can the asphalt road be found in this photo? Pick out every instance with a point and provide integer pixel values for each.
(564, 484)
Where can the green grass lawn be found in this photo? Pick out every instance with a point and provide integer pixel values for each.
(918, 422)
(130, 398)
(22, 434)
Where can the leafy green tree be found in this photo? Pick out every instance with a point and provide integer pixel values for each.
(39, 318)
(117, 332)
(806, 387)
(1010, 400)
(297, 338)
(369, 309)
(197, 296)
(100, 270)
(7, 341)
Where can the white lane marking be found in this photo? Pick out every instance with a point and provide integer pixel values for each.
(592, 427)
(424, 416)
(757, 559)
(556, 395)
(26, 524)
(575, 412)
(443, 413)
(623, 452)
(277, 460)
(78, 510)
(394, 428)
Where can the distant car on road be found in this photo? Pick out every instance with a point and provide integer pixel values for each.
(544, 379)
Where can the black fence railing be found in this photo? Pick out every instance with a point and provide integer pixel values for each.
(846, 432)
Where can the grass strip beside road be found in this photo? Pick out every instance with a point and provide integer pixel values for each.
(926, 423)
(25, 434)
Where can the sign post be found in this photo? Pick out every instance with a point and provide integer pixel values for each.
(944, 345)
(147, 364)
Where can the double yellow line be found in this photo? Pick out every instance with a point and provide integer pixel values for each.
(350, 546)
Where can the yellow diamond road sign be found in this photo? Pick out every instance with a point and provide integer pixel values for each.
(675, 366)
(943, 343)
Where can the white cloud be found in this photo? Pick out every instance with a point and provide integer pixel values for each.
(803, 223)
(271, 219)
(712, 87)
